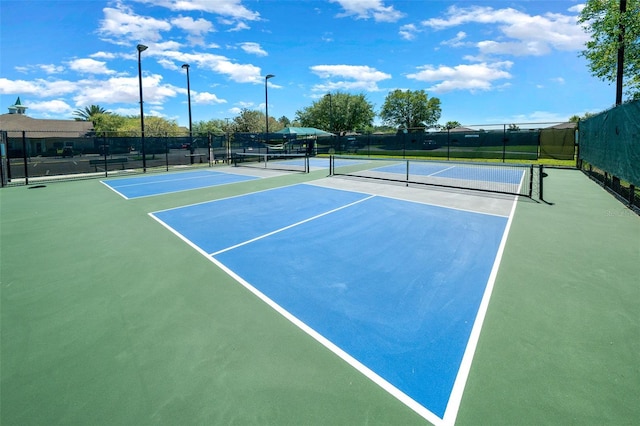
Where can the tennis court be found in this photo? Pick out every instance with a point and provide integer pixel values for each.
(287, 162)
(380, 307)
(307, 299)
(150, 185)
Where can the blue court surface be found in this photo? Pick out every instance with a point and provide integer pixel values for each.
(323, 163)
(315, 162)
(494, 174)
(149, 185)
(393, 287)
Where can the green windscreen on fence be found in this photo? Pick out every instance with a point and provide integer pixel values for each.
(557, 143)
(611, 141)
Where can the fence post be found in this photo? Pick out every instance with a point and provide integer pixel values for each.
(105, 148)
(6, 139)
(210, 154)
(24, 157)
(504, 141)
(166, 151)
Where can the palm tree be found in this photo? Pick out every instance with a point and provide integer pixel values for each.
(87, 113)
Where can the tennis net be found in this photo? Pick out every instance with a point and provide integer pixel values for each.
(272, 160)
(515, 179)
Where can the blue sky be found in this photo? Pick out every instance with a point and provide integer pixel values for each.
(487, 61)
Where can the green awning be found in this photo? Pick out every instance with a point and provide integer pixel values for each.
(303, 131)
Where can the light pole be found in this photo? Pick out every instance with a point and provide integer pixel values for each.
(141, 48)
(620, 69)
(186, 67)
(266, 105)
(330, 114)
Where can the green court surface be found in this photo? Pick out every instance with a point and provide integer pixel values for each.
(108, 319)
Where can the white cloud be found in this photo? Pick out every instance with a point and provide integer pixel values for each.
(47, 68)
(55, 106)
(240, 26)
(577, 8)
(195, 28)
(230, 8)
(51, 69)
(521, 34)
(240, 73)
(366, 9)
(123, 90)
(253, 48)
(457, 41)
(350, 77)
(472, 77)
(206, 98)
(158, 48)
(120, 25)
(38, 87)
(103, 55)
(361, 72)
(408, 32)
(89, 66)
(536, 117)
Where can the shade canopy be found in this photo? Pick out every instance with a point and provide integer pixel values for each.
(303, 131)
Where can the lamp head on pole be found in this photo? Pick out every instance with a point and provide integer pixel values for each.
(269, 76)
(185, 66)
(142, 47)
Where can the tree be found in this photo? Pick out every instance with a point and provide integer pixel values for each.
(609, 29)
(107, 122)
(212, 126)
(87, 113)
(160, 126)
(153, 126)
(250, 121)
(576, 118)
(284, 121)
(452, 125)
(410, 109)
(338, 112)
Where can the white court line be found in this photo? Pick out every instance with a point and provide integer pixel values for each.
(168, 180)
(442, 171)
(114, 190)
(457, 391)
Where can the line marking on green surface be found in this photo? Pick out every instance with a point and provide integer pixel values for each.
(453, 406)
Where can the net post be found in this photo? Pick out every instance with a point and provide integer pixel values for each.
(407, 176)
(531, 181)
(331, 165)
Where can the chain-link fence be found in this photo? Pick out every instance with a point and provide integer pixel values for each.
(40, 156)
